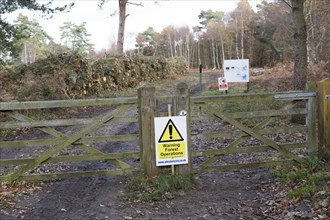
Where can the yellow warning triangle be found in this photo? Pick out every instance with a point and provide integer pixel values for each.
(170, 133)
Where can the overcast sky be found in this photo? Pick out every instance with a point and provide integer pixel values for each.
(103, 27)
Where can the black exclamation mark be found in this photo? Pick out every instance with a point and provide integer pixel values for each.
(170, 128)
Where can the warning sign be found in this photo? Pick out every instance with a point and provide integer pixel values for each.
(223, 85)
(170, 133)
(171, 140)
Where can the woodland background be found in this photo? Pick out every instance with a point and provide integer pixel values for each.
(264, 37)
(33, 66)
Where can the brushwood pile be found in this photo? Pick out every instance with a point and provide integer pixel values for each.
(71, 76)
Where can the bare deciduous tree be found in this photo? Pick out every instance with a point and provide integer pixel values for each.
(299, 45)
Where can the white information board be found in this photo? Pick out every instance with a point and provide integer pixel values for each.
(236, 70)
(171, 140)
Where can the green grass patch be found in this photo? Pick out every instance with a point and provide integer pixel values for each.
(306, 179)
(233, 90)
(162, 187)
(305, 191)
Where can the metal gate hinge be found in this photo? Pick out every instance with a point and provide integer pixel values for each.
(304, 95)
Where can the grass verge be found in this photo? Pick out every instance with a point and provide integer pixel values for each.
(163, 187)
(310, 179)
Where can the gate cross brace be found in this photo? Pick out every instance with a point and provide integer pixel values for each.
(68, 141)
(258, 136)
(258, 126)
(235, 143)
(242, 138)
(58, 134)
(47, 130)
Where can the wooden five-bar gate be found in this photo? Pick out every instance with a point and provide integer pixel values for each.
(225, 132)
(60, 146)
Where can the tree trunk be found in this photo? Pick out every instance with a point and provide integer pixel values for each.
(242, 37)
(223, 50)
(299, 45)
(188, 51)
(251, 47)
(299, 52)
(315, 34)
(217, 54)
(198, 54)
(170, 40)
(236, 39)
(121, 31)
(175, 46)
(181, 47)
(213, 53)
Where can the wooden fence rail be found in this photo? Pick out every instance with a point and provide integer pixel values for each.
(65, 103)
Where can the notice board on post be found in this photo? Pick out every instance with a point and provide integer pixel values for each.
(236, 70)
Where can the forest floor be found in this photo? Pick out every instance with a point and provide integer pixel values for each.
(245, 194)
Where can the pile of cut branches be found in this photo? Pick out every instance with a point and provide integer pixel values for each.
(113, 73)
(70, 76)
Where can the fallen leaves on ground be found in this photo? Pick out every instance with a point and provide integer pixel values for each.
(9, 193)
(282, 203)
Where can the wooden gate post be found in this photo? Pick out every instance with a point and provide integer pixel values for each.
(182, 103)
(147, 111)
(323, 91)
(311, 126)
(311, 120)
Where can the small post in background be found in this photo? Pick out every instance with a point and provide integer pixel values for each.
(200, 76)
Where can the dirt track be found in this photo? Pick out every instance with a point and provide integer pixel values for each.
(227, 195)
